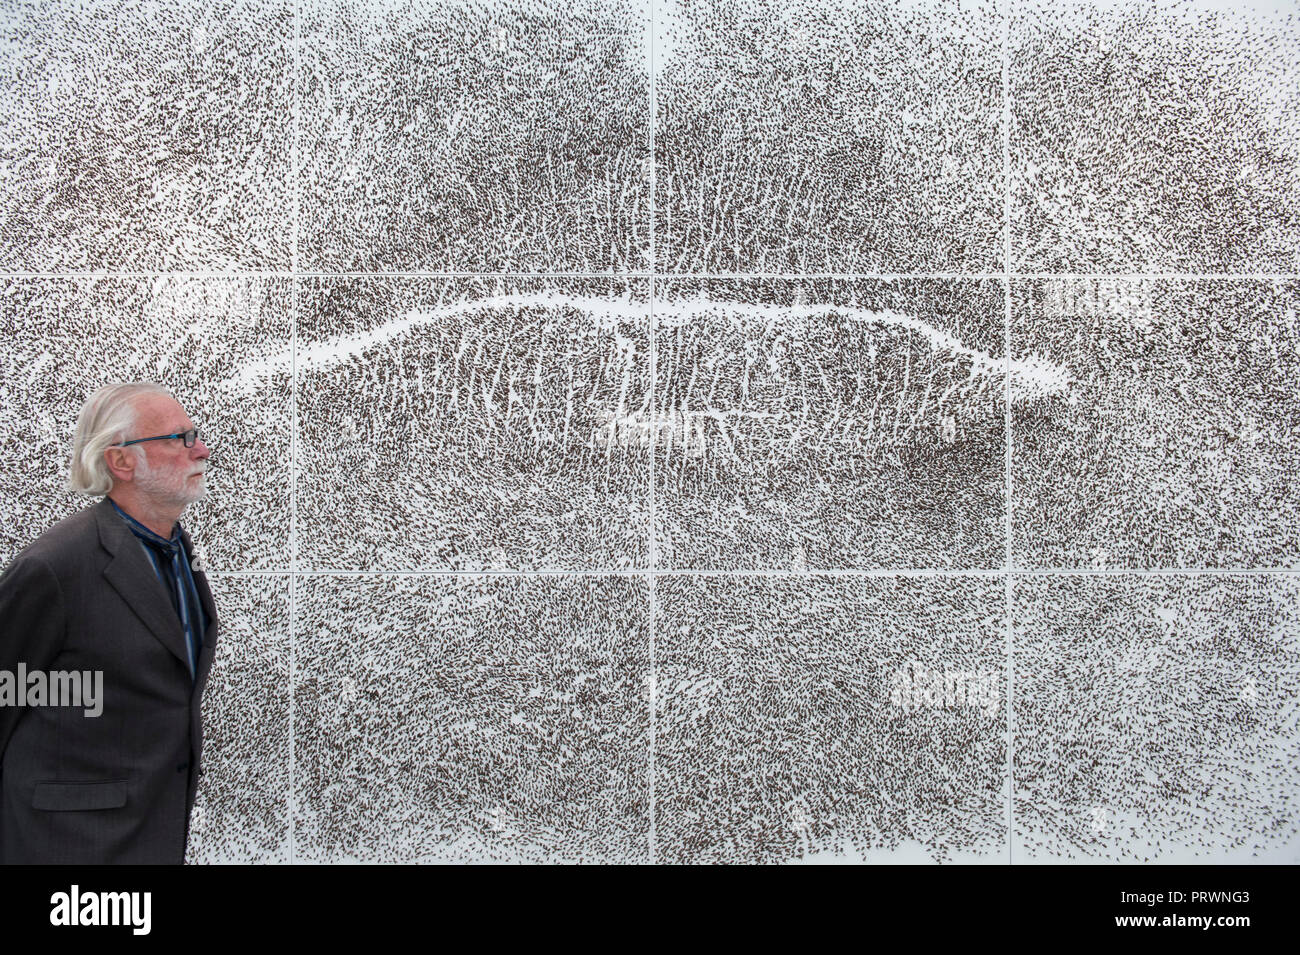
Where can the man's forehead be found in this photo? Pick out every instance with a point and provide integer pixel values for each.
(162, 412)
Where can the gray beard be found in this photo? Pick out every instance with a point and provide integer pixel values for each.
(170, 492)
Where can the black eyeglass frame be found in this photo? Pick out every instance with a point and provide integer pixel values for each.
(189, 437)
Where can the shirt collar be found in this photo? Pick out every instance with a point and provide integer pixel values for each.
(142, 531)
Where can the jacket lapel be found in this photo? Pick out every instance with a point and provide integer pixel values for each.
(209, 607)
(132, 576)
(201, 668)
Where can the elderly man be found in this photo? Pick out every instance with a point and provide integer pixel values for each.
(113, 588)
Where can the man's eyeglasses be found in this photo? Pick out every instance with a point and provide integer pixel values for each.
(189, 437)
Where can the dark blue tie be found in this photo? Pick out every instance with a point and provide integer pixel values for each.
(167, 557)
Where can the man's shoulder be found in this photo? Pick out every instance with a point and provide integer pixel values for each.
(65, 540)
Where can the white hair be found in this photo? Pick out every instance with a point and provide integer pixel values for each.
(107, 418)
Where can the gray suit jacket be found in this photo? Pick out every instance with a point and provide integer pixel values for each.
(117, 788)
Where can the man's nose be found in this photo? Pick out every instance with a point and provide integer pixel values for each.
(200, 449)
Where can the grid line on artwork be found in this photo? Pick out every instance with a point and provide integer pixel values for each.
(769, 572)
(650, 490)
(1006, 388)
(293, 438)
(683, 276)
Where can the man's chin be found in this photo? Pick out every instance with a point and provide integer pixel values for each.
(194, 496)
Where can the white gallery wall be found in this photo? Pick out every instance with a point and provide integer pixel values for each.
(710, 431)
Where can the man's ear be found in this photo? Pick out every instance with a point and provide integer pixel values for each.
(121, 463)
